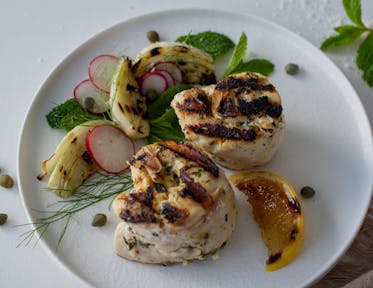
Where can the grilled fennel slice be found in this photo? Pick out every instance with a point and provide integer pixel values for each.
(197, 66)
(128, 106)
(71, 163)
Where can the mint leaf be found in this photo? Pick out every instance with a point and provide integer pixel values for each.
(262, 66)
(238, 54)
(212, 43)
(353, 11)
(163, 101)
(345, 29)
(346, 36)
(165, 127)
(68, 115)
(364, 59)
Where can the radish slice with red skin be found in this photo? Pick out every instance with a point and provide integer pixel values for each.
(153, 80)
(171, 68)
(110, 148)
(86, 89)
(101, 70)
(170, 80)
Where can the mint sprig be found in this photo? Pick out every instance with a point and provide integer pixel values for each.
(236, 64)
(347, 34)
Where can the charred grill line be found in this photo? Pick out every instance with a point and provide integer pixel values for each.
(259, 105)
(220, 131)
(155, 51)
(143, 217)
(173, 214)
(227, 108)
(195, 190)
(187, 151)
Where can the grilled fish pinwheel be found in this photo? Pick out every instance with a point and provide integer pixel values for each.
(238, 121)
(182, 207)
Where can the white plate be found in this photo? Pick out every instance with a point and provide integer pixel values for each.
(328, 145)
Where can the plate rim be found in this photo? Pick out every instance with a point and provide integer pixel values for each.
(158, 13)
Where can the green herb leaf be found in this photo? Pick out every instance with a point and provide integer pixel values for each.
(345, 29)
(68, 115)
(346, 36)
(163, 101)
(364, 59)
(353, 11)
(262, 66)
(212, 43)
(165, 127)
(238, 55)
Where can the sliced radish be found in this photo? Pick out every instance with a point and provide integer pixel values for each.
(110, 148)
(170, 80)
(171, 68)
(153, 81)
(90, 98)
(101, 71)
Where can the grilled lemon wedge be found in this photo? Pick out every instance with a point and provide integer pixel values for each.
(278, 213)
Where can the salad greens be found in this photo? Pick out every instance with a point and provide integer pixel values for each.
(237, 65)
(347, 34)
(163, 101)
(163, 121)
(69, 114)
(212, 43)
(165, 127)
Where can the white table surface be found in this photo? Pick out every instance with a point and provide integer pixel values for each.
(37, 35)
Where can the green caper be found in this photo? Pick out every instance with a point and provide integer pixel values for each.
(89, 102)
(99, 220)
(151, 94)
(307, 192)
(6, 181)
(291, 68)
(152, 36)
(3, 218)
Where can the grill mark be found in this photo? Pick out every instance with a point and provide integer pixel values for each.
(220, 131)
(145, 198)
(127, 108)
(131, 87)
(155, 51)
(143, 217)
(195, 190)
(160, 188)
(173, 214)
(227, 108)
(87, 157)
(74, 140)
(294, 234)
(273, 258)
(120, 107)
(259, 105)
(207, 79)
(231, 82)
(189, 152)
(192, 105)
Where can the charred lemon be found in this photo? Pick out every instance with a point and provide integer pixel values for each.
(278, 213)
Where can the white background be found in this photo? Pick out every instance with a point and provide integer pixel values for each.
(36, 35)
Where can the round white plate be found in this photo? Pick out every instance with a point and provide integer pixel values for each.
(328, 145)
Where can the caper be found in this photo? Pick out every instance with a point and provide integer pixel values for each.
(89, 102)
(152, 36)
(151, 94)
(291, 68)
(3, 218)
(6, 181)
(99, 220)
(307, 192)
